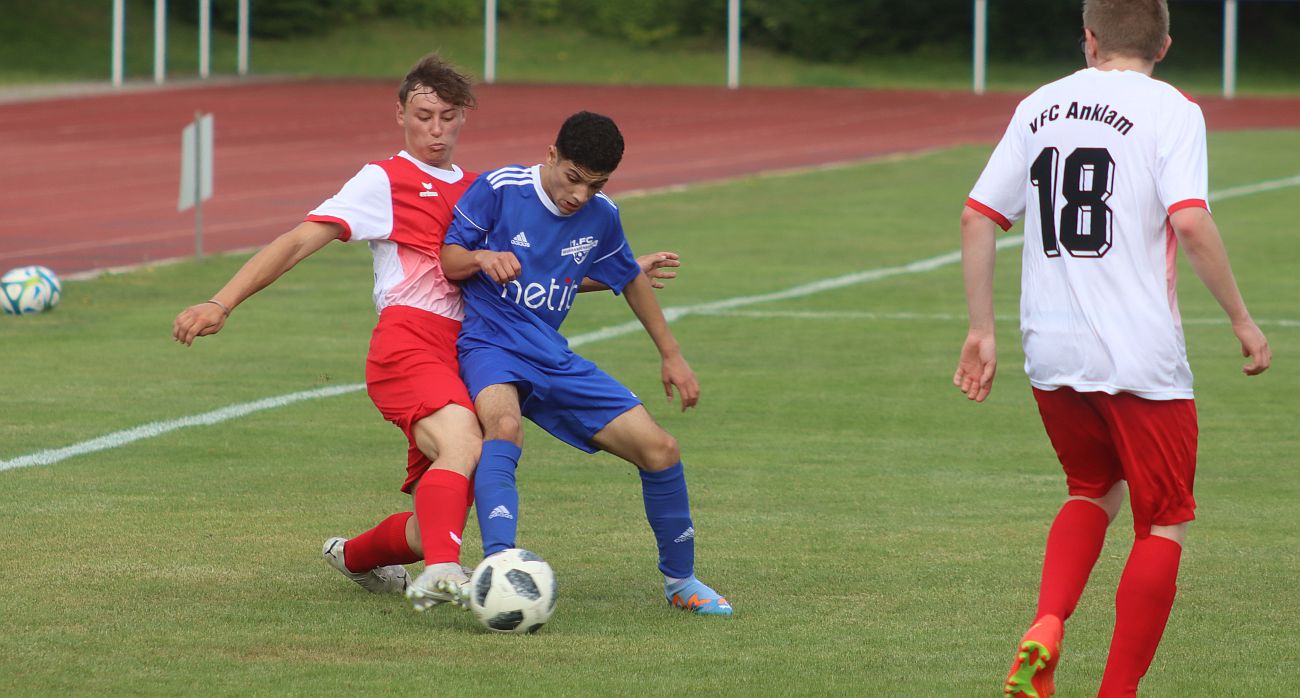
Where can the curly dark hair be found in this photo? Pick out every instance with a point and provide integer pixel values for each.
(590, 141)
(448, 83)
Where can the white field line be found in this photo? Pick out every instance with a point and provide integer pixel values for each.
(152, 429)
(121, 438)
(1257, 187)
(936, 317)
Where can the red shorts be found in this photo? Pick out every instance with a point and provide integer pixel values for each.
(1102, 438)
(412, 372)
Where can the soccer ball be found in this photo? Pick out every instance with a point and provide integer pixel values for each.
(27, 290)
(513, 591)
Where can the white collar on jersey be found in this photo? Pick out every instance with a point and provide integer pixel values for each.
(543, 196)
(449, 176)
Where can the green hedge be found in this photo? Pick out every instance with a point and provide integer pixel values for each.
(824, 30)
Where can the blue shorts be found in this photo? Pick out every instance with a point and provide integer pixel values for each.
(572, 403)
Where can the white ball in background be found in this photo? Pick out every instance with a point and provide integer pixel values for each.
(28, 290)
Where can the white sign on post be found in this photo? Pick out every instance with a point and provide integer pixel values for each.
(196, 162)
(196, 172)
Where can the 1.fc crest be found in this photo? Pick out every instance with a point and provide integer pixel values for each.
(579, 248)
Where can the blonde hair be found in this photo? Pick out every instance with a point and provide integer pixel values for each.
(1135, 28)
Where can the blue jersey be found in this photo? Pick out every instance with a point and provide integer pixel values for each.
(507, 210)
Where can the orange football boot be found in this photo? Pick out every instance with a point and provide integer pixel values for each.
(1032, 673)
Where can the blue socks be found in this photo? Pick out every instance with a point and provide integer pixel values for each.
(668, 509)
(496, 498)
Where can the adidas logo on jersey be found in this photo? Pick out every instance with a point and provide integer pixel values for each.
(428, 190)
(520, 240)
(688, 534)
(501, 512)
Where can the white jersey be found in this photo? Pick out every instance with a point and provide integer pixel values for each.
(1096, 163)
(402, 208)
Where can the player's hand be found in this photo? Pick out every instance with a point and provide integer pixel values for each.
(659, 266)
(678, 374)
(1254, 345)
(501, 267)
(198, 321)
(976, 366)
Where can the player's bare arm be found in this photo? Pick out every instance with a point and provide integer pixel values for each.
(260, 271)
(675, 372)
(978, 362)
(658, 267)
(1200, 239)
(459, 263)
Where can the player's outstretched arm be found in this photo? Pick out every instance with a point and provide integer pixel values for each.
(658, 267)
(262, 269)
(978, 363)
(459, 263)
(1199, 236)
(675, 372)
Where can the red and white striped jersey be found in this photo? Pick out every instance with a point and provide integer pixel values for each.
(402, 208)
(1096, 163)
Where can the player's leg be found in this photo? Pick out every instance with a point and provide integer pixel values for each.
(635, 437)
(450, 438)
(494, 486)
(376, 561)
(1143, 602)
(374, 558)
(412, 377)
(1157, 440)
(1093, 477)
(1093, 473)
(1074, 543)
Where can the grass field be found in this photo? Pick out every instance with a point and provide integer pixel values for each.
(878, 534)
(69, 40)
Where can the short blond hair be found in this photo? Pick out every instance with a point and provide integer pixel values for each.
(1135, 28)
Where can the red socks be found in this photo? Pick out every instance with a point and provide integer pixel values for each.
(1073, 545)
(384, 544)
(441, 502)
(1142, 604)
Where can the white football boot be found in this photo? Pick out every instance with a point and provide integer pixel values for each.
(439, 584)
(390, 579)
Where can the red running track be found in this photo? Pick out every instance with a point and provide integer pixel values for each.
(91, 182)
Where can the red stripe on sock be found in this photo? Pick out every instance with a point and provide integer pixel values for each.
(441, 501)
(384, 544)
(1142, 604)
(1073, 545)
